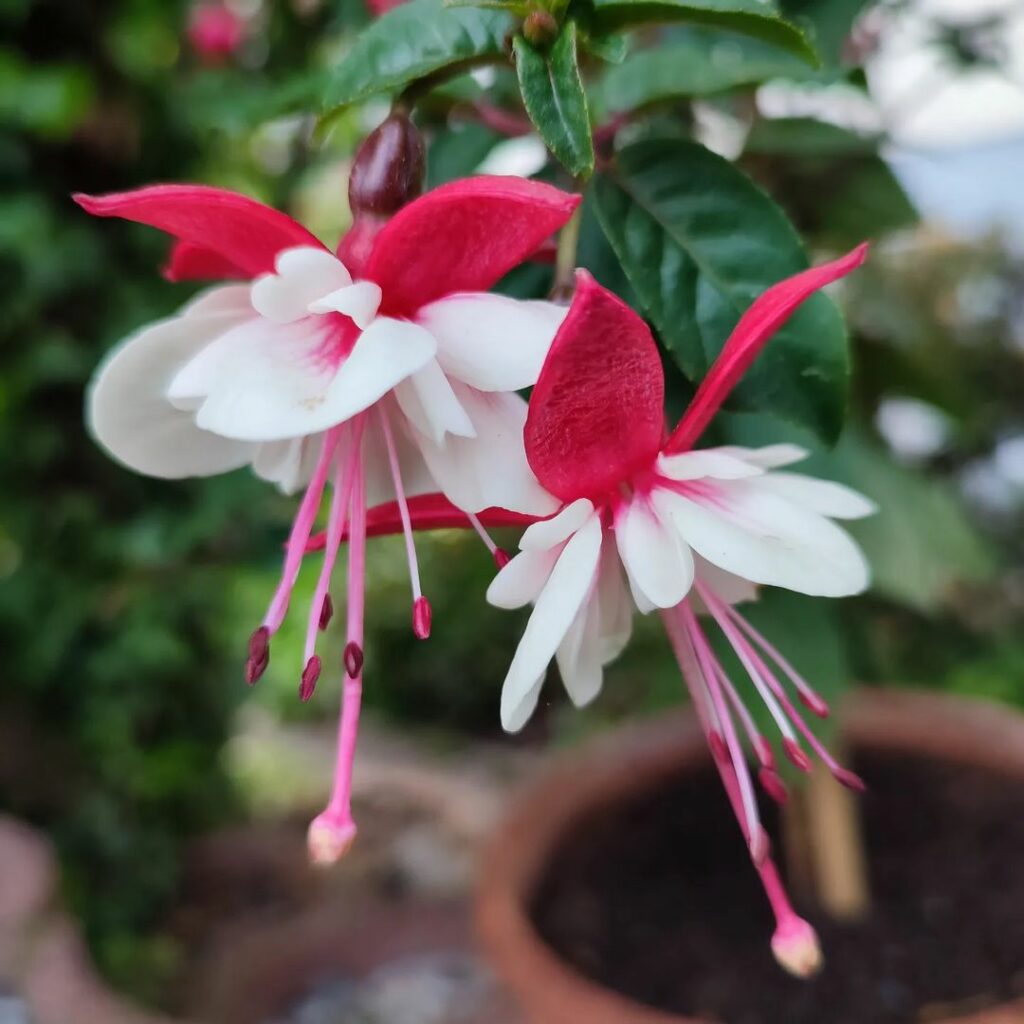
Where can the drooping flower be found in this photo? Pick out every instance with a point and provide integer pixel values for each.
(650, 523)
(389, 378)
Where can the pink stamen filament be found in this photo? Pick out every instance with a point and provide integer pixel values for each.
(403, 505)
(811, 698)
(689, 663)
(343, 481)
(302, 526)
(710, 670)
(760, 746)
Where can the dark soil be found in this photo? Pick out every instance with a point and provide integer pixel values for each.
(658, 900)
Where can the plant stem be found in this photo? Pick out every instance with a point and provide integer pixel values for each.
(837, 848)
(565, 258)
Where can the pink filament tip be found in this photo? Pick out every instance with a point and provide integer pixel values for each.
(719, 751)
(796, 755)
(501, 558)
(764, 752)
(310, 674)
(851, 780)
(421, 617)
(814, 704)
(259, 655)
(773, 786)
(760, 846)
(326, 612)
(353, 660)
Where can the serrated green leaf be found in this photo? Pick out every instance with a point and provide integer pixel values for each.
(554, 98)
(697, 62)
(759, 18)
(412, 41)
(699, 242)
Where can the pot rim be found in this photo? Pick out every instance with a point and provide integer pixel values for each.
(630, 760)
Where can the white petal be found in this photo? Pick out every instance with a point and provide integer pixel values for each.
(489, 470)
(519, 715)
(221, 298)
(579, 656)
(358, 301)
(726, 586)
(263, 381)
(304, 274)
(563, 595)
(429, 402)
(770, 456)
(492, 342)
(550, 532)
(709, 462)
(658, 563)
(825, 497)
(747, 530)
(522, 579)
(129, 414)
(289, 464)
(614, 603)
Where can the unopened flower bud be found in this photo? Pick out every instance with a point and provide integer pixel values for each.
(540, 28)
(388, 168)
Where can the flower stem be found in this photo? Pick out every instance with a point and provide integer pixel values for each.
(565, 258)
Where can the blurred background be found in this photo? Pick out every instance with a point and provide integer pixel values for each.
(175, 798)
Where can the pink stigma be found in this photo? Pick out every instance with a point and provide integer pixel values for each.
(796, 947)
(310, 675)
(353, 659)
(421, 617)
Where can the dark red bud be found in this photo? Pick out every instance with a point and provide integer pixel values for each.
(540, 28)
(388, 168)
(421, 617)
(326, 612)
(353, 660)
(310, 674)
(796, 755)
(501, 558)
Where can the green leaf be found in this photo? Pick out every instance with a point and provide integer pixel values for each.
(697, 62)
(412, 41)
(759, 18)
(699, 242)
(829, 21)
(556, 101)
(805, 136)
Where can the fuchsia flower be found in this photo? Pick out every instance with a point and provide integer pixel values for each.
(387, 379)
(647, 522)
(215, 31)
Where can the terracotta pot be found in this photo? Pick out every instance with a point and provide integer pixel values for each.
(636, 759)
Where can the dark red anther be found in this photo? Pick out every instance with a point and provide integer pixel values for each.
(851, 780)
(814, 704)
(773, 786)
(764, 752)
(421, 617)
(388, 168)
(719, 750)
(326, 612)
(353, 660)
(259, 655)
(310, 675)
(796, 755)
(501, 558)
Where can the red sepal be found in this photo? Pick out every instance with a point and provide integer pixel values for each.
(596, 415)
(756, 327)
(188, 262)
(463, 237)
(241, 231)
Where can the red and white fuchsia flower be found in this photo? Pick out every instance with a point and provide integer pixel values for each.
(387, 379)
(646, 522)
